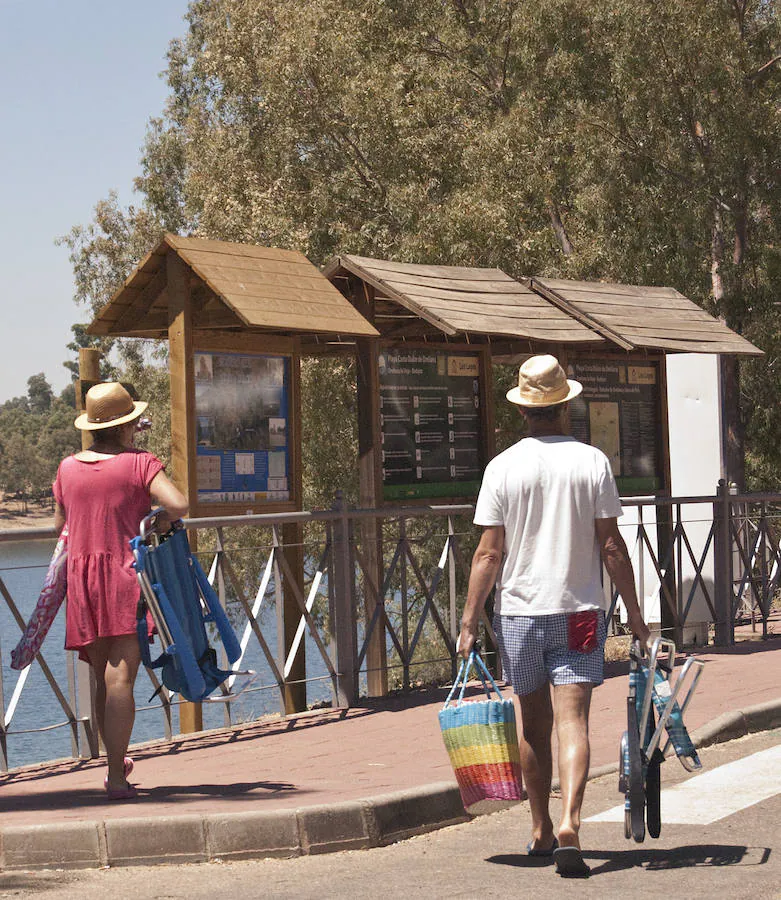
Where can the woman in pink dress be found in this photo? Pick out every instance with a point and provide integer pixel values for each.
(103, 493)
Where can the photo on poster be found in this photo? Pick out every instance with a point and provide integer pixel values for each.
(245, 463)
(605, 432)
(277, 429)
(208, 470)
(277, 465)
(205, 431)
(204, 370)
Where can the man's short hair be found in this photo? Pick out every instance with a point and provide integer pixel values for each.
(543, 413)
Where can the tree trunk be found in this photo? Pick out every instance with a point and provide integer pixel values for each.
(558, 227)
(732, 428)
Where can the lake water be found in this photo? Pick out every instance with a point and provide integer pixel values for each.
(22, 568)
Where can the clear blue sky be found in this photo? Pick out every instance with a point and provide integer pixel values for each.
(79, 79)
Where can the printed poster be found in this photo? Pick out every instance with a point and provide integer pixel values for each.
(430, 423)
(241, 408)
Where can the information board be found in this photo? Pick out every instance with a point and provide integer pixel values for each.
(619, 411)
(242, 434)
(430, 423)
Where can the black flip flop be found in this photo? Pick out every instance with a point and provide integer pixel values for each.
(569, 863)
(530, 851)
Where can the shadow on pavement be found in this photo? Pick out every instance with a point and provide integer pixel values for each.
(238, 790)
(712, 855)
(85, 799)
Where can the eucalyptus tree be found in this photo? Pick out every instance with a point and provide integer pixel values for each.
(632, 141)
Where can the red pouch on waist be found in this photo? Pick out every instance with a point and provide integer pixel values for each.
(582, 630)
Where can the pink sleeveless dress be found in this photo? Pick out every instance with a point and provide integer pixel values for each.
(104, 502)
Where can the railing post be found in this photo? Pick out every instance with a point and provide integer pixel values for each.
(722, 589)
(345, 638)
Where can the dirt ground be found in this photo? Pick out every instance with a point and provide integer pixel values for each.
(13, 515)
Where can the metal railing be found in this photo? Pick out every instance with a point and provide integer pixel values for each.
(365, 600)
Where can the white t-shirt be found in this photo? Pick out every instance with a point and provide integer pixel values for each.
(547, 491)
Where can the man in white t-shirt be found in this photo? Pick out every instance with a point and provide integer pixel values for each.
(549, 508)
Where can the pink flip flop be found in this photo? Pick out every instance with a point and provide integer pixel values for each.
(125, 793)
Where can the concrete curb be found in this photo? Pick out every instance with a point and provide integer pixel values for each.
(373, 822)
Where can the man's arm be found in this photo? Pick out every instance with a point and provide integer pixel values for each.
(482, 577)
(615, 556)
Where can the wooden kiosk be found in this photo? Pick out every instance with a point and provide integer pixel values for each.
(238, 319)
(457, 321)
(235, 316)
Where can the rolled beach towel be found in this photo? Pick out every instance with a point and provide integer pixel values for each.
(49, 601)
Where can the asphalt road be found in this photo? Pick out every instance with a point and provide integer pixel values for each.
(738, 856)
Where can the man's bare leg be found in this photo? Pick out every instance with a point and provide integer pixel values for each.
(572, 704)
(537, 763)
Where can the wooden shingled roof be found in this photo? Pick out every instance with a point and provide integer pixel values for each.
(234, 286)
(457, 300)
(645, 317)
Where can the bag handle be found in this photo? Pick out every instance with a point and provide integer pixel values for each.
(465, 669)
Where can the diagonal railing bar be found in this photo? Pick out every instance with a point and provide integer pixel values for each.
(379, 606)
(317, 577)
(257, 605)
(459, 557)
(775, 572)
(307, 616)
(161, 691)
(748, 566)
(698, 578)
(72, 719)
(660, 570)
(429, 592)
(272, 663)
(767, 548)
(429, 606)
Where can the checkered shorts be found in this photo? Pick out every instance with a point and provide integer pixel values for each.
(535, 649)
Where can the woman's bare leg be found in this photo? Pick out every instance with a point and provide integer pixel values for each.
(120, 657)
(97, 653)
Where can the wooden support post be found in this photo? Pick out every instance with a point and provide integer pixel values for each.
(181, 367)
(370, 496)
(295, 692)
(343, 620)
(89, 373)
(86, 685)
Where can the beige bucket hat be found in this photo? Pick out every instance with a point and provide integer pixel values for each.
(108, 404)
(543, 382)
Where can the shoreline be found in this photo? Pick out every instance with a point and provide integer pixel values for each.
(12, 517)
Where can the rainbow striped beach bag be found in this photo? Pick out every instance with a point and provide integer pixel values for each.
(482, 742)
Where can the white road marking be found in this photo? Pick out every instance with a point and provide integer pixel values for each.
(717, 794)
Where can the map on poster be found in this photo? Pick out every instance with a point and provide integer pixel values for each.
(430, 423)
(241, 408)
(619, 411)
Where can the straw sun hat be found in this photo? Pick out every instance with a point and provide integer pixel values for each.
(109, 404)
(543, 382)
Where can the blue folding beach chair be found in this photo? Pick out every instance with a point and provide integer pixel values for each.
(651, 689)
(181, 601)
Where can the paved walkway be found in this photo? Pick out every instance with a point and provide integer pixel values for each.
(297, 777)
(332, 756)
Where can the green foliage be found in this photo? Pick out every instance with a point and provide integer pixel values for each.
(634, 140)
(330, 432)
(36, 432)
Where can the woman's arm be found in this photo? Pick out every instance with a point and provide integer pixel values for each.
(164, 493)
(59, 518)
